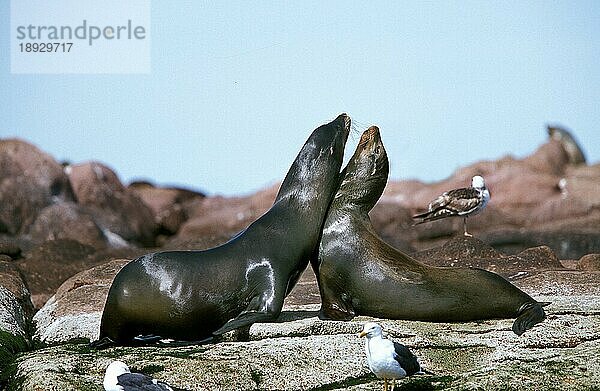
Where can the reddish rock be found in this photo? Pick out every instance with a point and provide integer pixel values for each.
(550, 158)
(162, 198)
(589, 262)
(460, 247)
(29, 181)
(76, 308)
(100, 277)
(220, 217)
(46, 267)
(168, 204)
(114, 207)
(567, 242)
(471, 252)
(541, 199)
(582, 183)
(10, 248)
(539, 258)
(67, 221)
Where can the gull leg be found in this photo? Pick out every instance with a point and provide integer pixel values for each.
(385, 385)
(393, 384)
(465, 226)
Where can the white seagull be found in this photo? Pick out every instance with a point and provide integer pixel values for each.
(118, 377)
(387, 359)
(463, 202)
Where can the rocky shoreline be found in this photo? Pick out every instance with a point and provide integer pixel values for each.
(66, 230)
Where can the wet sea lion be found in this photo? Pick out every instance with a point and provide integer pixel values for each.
(191, 295)
(359, 274)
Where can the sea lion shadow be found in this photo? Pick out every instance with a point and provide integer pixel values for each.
(290, 316)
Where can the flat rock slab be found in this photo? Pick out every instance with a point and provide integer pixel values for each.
(302, 352)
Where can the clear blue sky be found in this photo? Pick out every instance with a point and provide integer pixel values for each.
(236, 87)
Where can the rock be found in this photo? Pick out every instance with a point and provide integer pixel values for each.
(168, 204)
(461, 247)
(46, 267)
(550, 157)
(13, 330)
(566, 243)
(115, 208)
(67, 221)
(542, 193)
(590, 262)
(539, 258)
(12, 280)
(581, 184)
(76, 308)
(472, 252)
(10, 248)
(220, 217)
(29, 181)
(309, 354)
(12, 317)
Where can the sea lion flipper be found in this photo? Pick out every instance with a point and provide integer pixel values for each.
(246, 318)
(336, 309)
(102, 343)
(530, 314)
(332, 313)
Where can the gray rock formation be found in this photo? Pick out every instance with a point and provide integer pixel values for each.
(301, 352)
(13, 330)
(305, 353)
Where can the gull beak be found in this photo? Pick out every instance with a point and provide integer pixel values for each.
(362, 334)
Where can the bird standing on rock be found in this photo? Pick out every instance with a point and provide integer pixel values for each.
(463, 202)
(387, 359)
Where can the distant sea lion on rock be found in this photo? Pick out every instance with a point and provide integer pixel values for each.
(191, 295)
(359, 274)
(570, 145)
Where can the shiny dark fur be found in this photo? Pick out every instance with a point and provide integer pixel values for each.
(191, 295)
(359, 274)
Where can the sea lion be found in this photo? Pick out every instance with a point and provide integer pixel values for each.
(359, 274)
(192, 295)
(570, 145)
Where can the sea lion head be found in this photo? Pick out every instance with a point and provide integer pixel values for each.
(366, 174)
(317, 166)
